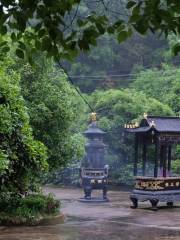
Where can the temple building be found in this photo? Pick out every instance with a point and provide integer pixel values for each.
(163, 133)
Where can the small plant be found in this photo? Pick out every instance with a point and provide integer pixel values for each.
(176, 166)
(15, 209)
(52, 205)
(9, 202)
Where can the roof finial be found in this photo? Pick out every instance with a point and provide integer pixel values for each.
(152, 124)
(136, 125)
(145, 115)
(93, 117)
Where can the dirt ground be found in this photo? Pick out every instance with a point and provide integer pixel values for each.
(114, 220)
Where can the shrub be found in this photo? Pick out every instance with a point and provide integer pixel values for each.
(176, 166)
(15, 209)
(9, 202)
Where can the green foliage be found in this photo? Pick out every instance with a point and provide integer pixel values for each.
(50, 106)
(40, 204)
(9, 201)
(122, 174)
(121, 171)
(50, 26)
(162, 84)
(63, 28)
(53, 109)
(156, 15)
(68, 176)
(21, 157)
(126, 105)
(115, 108)
(4, 161)
(17, 210)
(109, 64)
(176, 166)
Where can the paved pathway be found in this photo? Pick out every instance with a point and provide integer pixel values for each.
(114, 220)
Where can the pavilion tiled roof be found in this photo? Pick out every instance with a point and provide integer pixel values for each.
(165, 124)
(159, 123)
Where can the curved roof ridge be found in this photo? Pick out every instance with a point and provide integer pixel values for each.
(159, 123)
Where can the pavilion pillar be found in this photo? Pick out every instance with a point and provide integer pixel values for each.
(169, 159)
(144, 159)
(136, 146)
(164, 160)
(161, 158)
(156, 158)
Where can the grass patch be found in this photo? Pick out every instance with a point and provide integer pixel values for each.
(28, 210)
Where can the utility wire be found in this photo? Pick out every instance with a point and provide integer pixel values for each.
(114, 80)
(99, 78)
(94, 77)
(145, 67)
(77, 90)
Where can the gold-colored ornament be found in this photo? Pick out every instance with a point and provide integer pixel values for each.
(93, 117)
(145, 115)
(136, 124)
(177, 184)
(149, 185)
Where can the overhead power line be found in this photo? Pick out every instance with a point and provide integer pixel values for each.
(117, 75)
(104, 78)
(145, 67)
(77, 90)
(114, 80)
(94, 77)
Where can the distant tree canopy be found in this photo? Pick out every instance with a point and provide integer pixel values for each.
(110, 65)
(115, 107)
(57, 28)
(162, 84)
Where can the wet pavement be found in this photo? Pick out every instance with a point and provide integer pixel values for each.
(114, 220)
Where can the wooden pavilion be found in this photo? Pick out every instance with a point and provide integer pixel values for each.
(163, 133)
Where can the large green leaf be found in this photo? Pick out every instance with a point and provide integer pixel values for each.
(20, 53)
